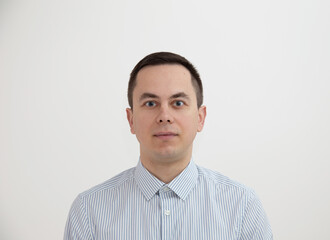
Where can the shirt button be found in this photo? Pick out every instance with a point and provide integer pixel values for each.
(166, 189)
(167, 212)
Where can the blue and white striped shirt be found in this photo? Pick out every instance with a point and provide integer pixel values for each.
(197, 204)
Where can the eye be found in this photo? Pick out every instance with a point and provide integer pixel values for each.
(178, 103)
(150, 104)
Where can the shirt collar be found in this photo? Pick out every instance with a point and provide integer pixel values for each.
(181, 184)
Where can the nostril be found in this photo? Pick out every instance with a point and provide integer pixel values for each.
(168, 120)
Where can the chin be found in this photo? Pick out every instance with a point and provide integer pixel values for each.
(168, 156)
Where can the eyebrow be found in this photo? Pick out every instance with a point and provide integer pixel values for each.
(147, 95)
(151, 95)
(180, 95)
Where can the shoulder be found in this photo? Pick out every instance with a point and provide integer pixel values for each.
(237, 198)
(222, 182)
(111, 184)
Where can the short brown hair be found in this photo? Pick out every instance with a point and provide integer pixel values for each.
(160, 58)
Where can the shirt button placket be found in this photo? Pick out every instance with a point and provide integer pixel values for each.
(166, 213)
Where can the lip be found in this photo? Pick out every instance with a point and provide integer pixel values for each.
(165, 135)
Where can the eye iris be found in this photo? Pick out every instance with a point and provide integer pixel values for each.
(150, 104)
(178, 103)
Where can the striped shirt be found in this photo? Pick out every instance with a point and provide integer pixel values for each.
(197, 204)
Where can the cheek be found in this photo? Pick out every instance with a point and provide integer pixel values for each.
(141, 125)
(190, 124)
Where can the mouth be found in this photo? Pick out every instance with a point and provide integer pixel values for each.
(165, 135)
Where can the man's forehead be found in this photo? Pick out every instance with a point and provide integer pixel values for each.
(174, 74)
(163, 81)
(171, 69)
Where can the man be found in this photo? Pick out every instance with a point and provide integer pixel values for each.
(167, 196)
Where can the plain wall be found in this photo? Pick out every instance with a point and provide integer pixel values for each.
(64, 68)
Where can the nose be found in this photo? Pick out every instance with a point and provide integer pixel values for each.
(164, 116)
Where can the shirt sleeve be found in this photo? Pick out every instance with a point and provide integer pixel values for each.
(77, 225)
(255, 225)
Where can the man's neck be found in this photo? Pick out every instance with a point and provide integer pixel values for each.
(165, 171)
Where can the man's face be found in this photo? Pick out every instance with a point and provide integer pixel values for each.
(165, 116)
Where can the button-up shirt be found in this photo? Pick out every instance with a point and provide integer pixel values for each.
(198, 204)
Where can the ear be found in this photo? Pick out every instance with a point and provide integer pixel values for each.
(201, 118)
(129, 114)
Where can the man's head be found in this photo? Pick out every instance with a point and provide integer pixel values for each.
(161, 58)
(166, 115)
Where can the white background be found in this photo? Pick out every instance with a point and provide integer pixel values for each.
(64, 68)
